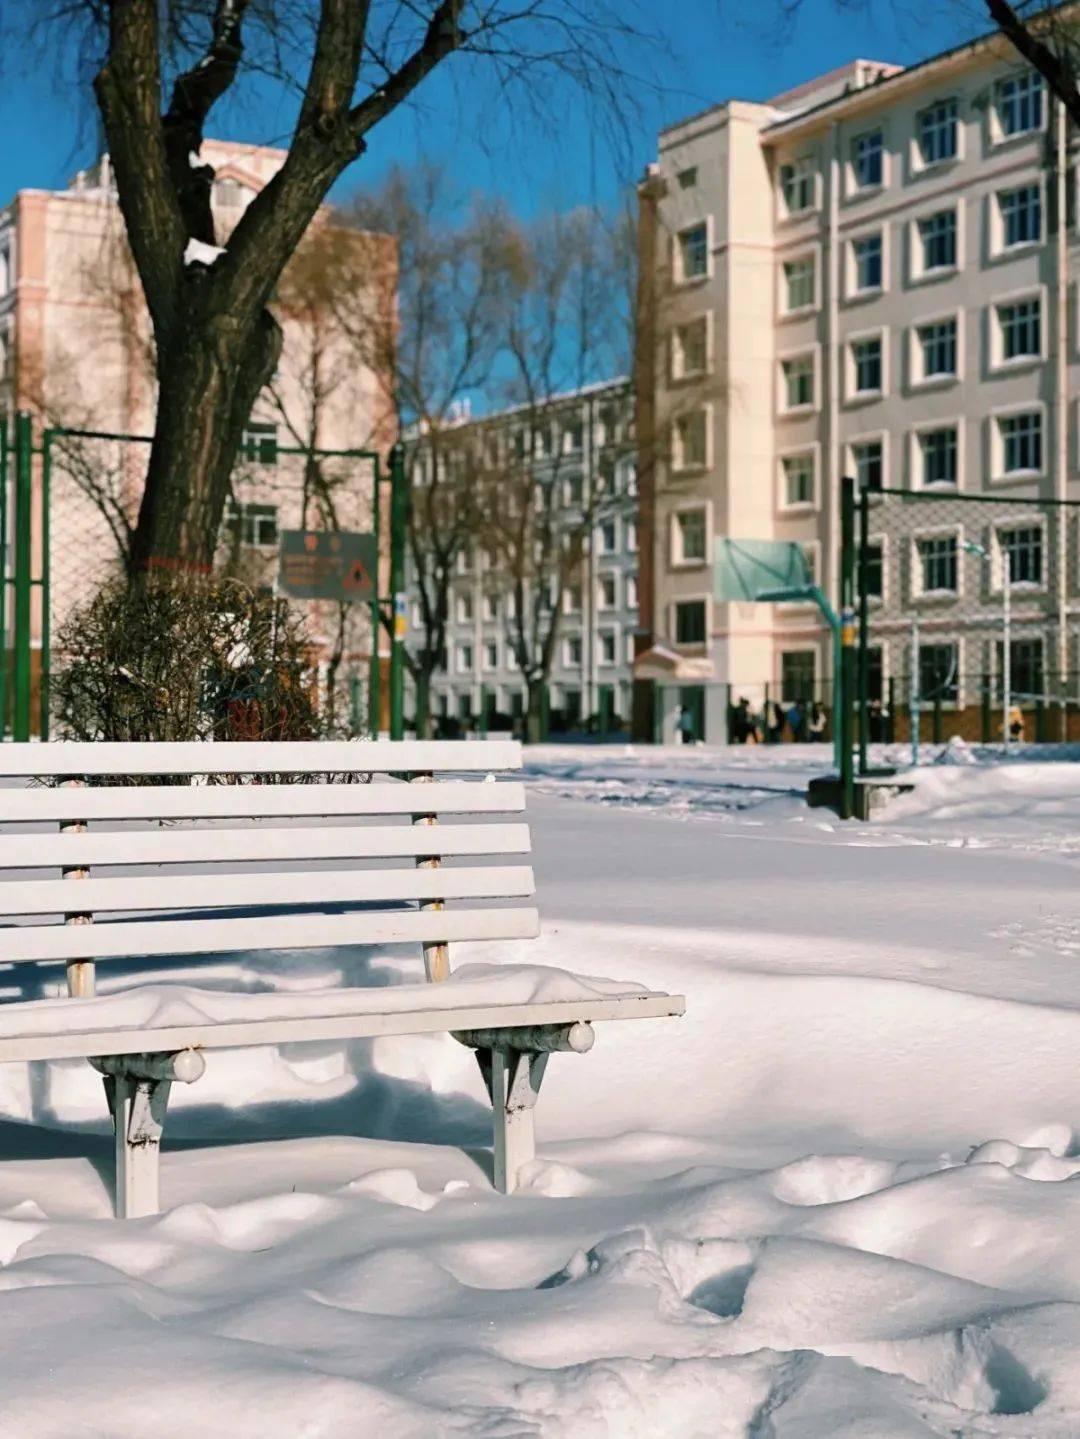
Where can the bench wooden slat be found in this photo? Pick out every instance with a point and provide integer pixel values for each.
(279, 931)
(257, 801)
(293, 757)
(257, 843)
(227, 1034)
(279, 889)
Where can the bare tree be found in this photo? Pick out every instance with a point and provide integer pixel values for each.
(1048, 38)
(541, 485)
(161, 68)
(453, 259)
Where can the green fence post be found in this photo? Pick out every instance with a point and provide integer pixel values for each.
(3, 577)
(657, 712)
(1040, 721)
(890, 727)
(864, 623)
(844, 693)
(24, 439)
(399, 509)
(985, 707)
(545, 711)
(938, 730)
(374, 696)
(45, 679)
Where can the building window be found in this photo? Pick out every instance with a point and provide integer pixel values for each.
(259, 442)
(607, 538)
(572, 600)
(875, 571)
(607, 591)
(691, 441)
(798, 477)
(1020, 103)
(868, 159)
(5, 270)
(937, 349)
(690, 348)
(491, 606)
(798, 382)
(252, 526)
(938, 672)
(868, 459)
(1022, 550)
(607, 647)
(572, 651)
(491, 655)
(630, 588)
(938, 564)
(937, 235)
(1020, 328)
(464, 607)
(938, 450)
(866, 366)
(691, 537)
(687, 179)
(693, 252)
(867, 253)
(1025, 667)
(1021, 443)
(690, 622)
(631, 537)
(797, 675)
(465, 659)
(798, 185)
(573, 490)
(1021, 215)
(800, 286)
(938, 132)
(573, 434)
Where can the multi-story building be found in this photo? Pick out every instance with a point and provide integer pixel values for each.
(866, 275)
(76, 351)
(581, 445)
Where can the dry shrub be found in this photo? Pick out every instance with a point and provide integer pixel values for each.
(178, 658)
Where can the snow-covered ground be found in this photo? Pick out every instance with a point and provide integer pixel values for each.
(835, 1201)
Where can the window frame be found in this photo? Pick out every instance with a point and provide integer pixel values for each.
(868, 437)
(783, 309)
(858, 189)
(678, 272)
(998, 134)
(999, 248)
(677, 368)
(918, 379)
(954, 532)
(997, 363)
(802, 507)
(852, 396)
(918, 272)
(998, 474)
(678, 465)
(692, 599)
(997, 568)
(920, 165)
(676, 558)
(915, 460)
(852, 292)
(955, 642)
(813, 353)
(785, 212)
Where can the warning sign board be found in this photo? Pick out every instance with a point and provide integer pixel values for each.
(327, 565)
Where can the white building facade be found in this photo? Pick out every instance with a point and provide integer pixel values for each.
(865, 276)
(585, 446)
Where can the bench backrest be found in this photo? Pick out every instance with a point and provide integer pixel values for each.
(381, 837)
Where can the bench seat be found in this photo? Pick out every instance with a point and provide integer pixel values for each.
(156, 851)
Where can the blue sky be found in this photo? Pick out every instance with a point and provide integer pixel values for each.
(720, 48)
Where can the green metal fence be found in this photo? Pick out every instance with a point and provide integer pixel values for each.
(73, 499)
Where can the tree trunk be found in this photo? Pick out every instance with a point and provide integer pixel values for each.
(211, 376)
(534, 711)
(423, 700)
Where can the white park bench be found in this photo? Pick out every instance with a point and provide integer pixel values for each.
(350, 841)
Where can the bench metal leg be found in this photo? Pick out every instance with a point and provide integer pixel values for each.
(514, 1078)
(137, 1089)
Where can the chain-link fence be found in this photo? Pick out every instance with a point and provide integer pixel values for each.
(969, 608)
(91, 485)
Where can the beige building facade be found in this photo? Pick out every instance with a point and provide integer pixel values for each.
(865, 276)
(76, 351)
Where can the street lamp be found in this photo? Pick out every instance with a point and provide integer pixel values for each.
(1006, 648)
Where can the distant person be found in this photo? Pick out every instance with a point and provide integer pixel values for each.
(684, 725)
(818, 721)
(745, 728)
(796, 718)
(1016, 724)
(774, 722)
(875, 722)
